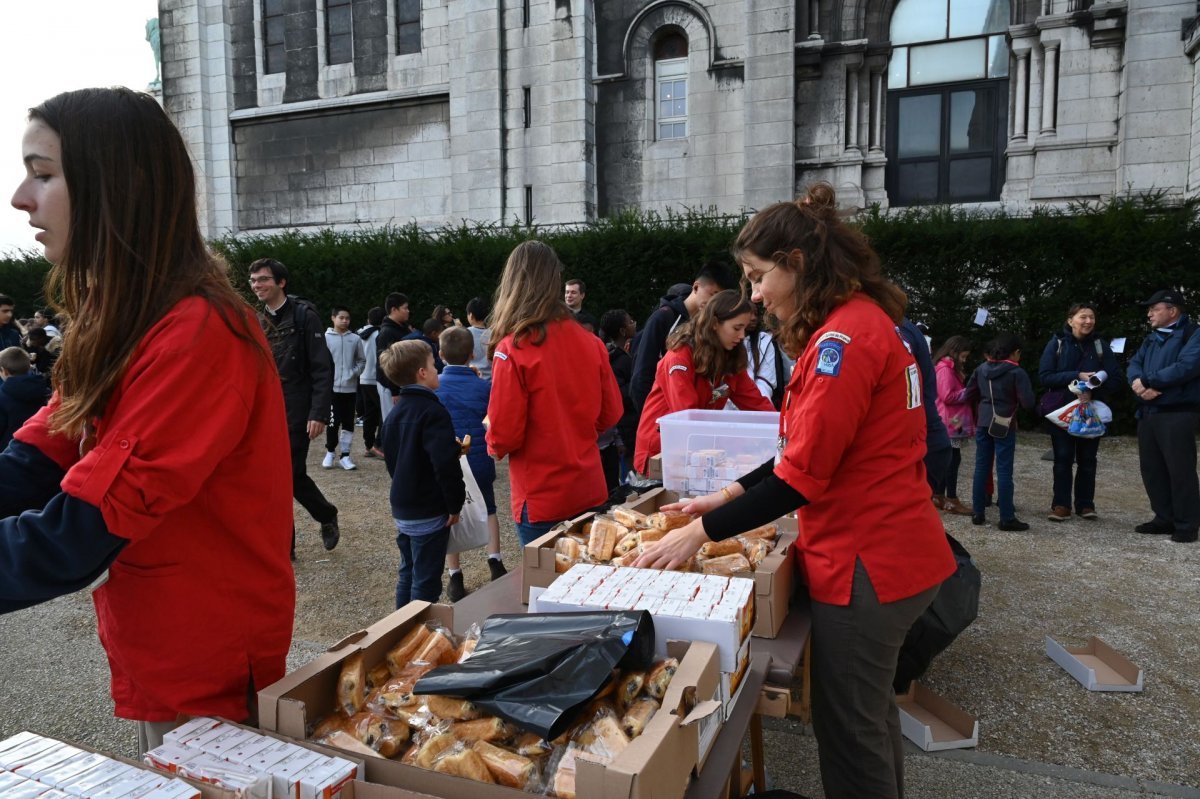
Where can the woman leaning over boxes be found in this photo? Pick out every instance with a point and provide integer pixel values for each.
(162, 458)
(852, 437)
(553, 394)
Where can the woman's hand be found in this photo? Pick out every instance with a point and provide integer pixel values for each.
(701, 505)
(673, 549)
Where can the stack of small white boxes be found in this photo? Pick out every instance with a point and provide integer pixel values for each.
(32, 765)
(686, 606)
(249, 764)
(709, 470)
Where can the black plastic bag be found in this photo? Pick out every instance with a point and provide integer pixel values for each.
(539, 670)
(952, 611)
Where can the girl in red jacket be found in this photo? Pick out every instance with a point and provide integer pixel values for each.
(162, 458)
(704, 368)
(553, 394)
(872, 549)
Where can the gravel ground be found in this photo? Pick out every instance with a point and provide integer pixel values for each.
(1072, 580)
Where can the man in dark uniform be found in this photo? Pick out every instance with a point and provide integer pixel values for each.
(297, 339)
(1165, 375)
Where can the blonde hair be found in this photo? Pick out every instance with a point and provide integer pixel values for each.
(529, 295)
(401, 361)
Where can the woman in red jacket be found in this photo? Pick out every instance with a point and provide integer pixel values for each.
(162, 458)
(704, 368)
(872, 549)
(553, 394)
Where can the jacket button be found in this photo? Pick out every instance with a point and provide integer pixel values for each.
(124, 443)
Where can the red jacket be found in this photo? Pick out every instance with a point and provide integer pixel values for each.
(677, 387)
(549, 404)
(191, 465)
(853, 433)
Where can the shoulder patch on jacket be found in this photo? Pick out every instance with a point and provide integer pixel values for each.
(679, 367)
(501, 355)
(829, 357)
(835, 336)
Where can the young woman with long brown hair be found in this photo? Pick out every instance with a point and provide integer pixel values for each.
(852, 440)
(704, 368)
(162, 458)
(553, 394)
(950, 369)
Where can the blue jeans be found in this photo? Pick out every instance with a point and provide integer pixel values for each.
(1004, 450)
(527, 531)
(422, 558)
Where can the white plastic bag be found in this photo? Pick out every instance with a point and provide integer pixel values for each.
(471, 530)
(1062, 416)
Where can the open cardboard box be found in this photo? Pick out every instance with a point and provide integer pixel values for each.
(1096, 665)
(935, 723)
(367, 790)
(774, 579)
(658, 765)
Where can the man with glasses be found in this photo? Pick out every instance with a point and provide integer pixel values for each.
(305, 366)
(1165, 376)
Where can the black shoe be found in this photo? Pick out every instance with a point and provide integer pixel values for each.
(1184, 538)
(293, 554)
(330, 535)
(1154, 528)
(455, 589)
(978, 519)
(497, 568)
(1013, 525)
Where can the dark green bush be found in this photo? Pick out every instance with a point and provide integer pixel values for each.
(1025, 270)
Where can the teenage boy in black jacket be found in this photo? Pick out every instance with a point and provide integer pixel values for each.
(428, 497)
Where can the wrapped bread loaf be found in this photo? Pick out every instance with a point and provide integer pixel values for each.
(451, 708)
(756, 550)
(463, 761)
(507, 768)
(566, 554)
(386, 736)
(603, 735)
(489, 729)
(767, 532)
(531, 745)
(659, 677)
(632, 519)
(438, 649)
(378, 675)
(626, 544)
(397, 693)
(727, 565)
(347, 742)
(714, 549)
(650, 536)
(428, 750)
(603, 538)
(332, 723)
(666, 520)
(402, 653)
(352, 685)
(628, 689)
(638, 715)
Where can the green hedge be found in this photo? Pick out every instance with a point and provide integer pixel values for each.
(1025, 270)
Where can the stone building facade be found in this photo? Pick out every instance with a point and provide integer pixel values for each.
(343, 112)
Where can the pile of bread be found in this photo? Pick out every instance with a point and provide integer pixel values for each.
(378, 715)
(618, 539)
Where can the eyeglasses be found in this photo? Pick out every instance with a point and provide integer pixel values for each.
(254, 281)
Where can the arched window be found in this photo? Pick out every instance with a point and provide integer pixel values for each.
(670, 85)
(947, 101)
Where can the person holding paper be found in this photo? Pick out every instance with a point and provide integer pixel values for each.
(1075, 353)
(852, 438)
(1165, 375)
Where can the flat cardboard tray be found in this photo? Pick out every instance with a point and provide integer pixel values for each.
(934, 723)
(774, 579)
(1096, 665)
(659, 765)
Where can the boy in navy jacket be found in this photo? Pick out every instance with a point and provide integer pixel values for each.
(22, 392)
(427, 493)
(465, 395)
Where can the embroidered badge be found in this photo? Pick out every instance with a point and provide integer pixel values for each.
(829, 357)
(677, 368)
(836, 336)
(501, 355)
(914, 386)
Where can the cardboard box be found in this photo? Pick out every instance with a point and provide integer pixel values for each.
(368, 790)
(934, 723)
(774, 702)
(1096, 665)
(654, 468)
(659, 765)
(774, 579)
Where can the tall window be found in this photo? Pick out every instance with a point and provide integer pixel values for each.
(408, 26)
(670, 81)
(339, 31)
(274, 53)
(947, 101)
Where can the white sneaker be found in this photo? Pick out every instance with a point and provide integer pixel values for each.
(347, 464)
(328, 462)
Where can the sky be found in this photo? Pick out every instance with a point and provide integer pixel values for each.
(52, 46)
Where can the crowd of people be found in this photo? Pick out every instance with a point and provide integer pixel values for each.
(177, 512)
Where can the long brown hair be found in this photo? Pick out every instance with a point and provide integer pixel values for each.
(709, 358)
(529, 295)
(831, 260)
(951, 349)
(133, 248)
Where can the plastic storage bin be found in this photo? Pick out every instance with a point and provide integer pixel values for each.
(704, 451)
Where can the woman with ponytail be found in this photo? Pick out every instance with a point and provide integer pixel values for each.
(159, 472)
(872, 549)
